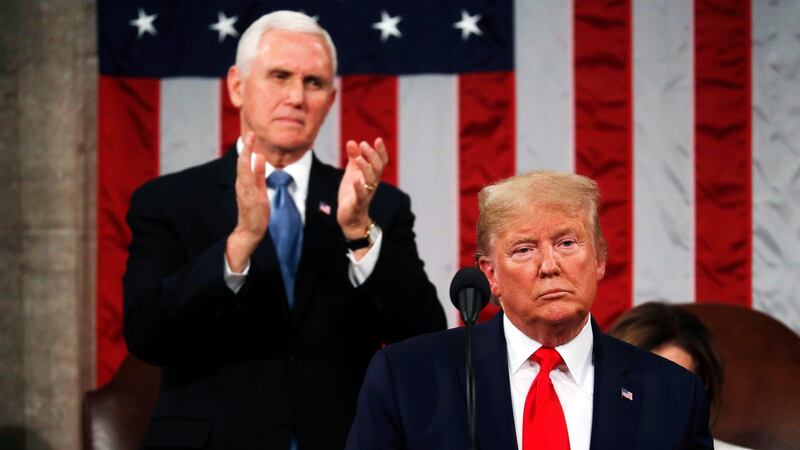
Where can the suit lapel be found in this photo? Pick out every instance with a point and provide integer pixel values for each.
(318, 233)
(320, 230)
(615, 418)
(494, 414)
(264, 260)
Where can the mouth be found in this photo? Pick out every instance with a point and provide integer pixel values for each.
(290, 121)
(553, 294)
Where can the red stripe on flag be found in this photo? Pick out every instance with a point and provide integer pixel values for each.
(722, 152)
(604, 138)
(128, 127)
(229, 119)
(486, 138)
(369, 111)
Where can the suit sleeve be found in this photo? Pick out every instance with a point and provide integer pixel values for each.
(700, 435)
(398, 286)
(377, 423)
(169, 297)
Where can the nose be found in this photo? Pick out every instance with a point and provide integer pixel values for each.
(295, 91)
(548, 267)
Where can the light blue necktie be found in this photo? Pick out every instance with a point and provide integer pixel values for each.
(286, 229)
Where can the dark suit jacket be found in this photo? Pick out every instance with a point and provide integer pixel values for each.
(244, 370)
(413, 397)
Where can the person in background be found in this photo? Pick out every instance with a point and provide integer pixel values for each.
(263, 282)
(677, 335)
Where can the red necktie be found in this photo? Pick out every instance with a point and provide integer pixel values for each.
(543, 424)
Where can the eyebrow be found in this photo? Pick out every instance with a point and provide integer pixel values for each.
(277, 69)
(321, 78)
(523, 240)
(559, 233)
(563, 231)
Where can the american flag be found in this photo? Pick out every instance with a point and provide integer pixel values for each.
(626, 394)
(685, 111)
(325, 208)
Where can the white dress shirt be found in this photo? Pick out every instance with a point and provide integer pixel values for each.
(573, 380)
(300, 171)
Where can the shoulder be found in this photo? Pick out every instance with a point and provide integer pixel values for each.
(390, 196)
(192, 182)
(423, 367)
(445, 348)
(386, 192)
(388, 206)
(657, 374)
(429, 355)
(428, 348)
(643, 358)
(640, 360)
(199, 175)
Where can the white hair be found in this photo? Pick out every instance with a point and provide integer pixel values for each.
(278, 20)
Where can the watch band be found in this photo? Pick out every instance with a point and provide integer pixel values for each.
(363, 242)
(356, 244)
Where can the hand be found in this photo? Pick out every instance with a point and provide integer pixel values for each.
(362, 174)
(253, 206)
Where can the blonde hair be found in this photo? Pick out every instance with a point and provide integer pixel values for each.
(279, 20)
(501, 202)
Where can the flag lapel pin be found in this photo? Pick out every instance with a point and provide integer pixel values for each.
(325, 208)
(626, 394)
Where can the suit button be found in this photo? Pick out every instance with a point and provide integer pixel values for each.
(294, 361)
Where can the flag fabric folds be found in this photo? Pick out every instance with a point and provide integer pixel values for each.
(684, 111)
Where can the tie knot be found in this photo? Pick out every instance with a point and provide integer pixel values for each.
(547, 358)
(278, 179)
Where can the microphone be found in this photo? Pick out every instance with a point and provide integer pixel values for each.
(469, 292)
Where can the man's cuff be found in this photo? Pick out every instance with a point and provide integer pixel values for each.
(360, 270)
(235, 280)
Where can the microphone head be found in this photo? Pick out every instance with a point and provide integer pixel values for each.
(469, 277)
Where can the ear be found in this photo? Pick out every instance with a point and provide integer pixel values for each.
(331, 99)
(234, 82)
(487, 267)
(601, 269)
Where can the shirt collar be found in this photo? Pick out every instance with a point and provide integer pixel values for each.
(300, 170)
(576, 353)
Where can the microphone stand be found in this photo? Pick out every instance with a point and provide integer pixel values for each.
(469, 303)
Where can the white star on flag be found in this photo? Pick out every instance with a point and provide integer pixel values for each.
(388, 26)
(468, 25)
(144, 23)
(224, 26)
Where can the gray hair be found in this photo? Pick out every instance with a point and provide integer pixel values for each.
(279, 20)
(500, 202)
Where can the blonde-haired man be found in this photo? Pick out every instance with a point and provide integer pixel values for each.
(546, 376)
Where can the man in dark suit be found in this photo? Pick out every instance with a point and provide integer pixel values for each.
(546, 375)
(264, 304)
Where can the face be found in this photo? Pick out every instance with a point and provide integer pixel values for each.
(676, 354)
(544, 270)
(287, 92)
